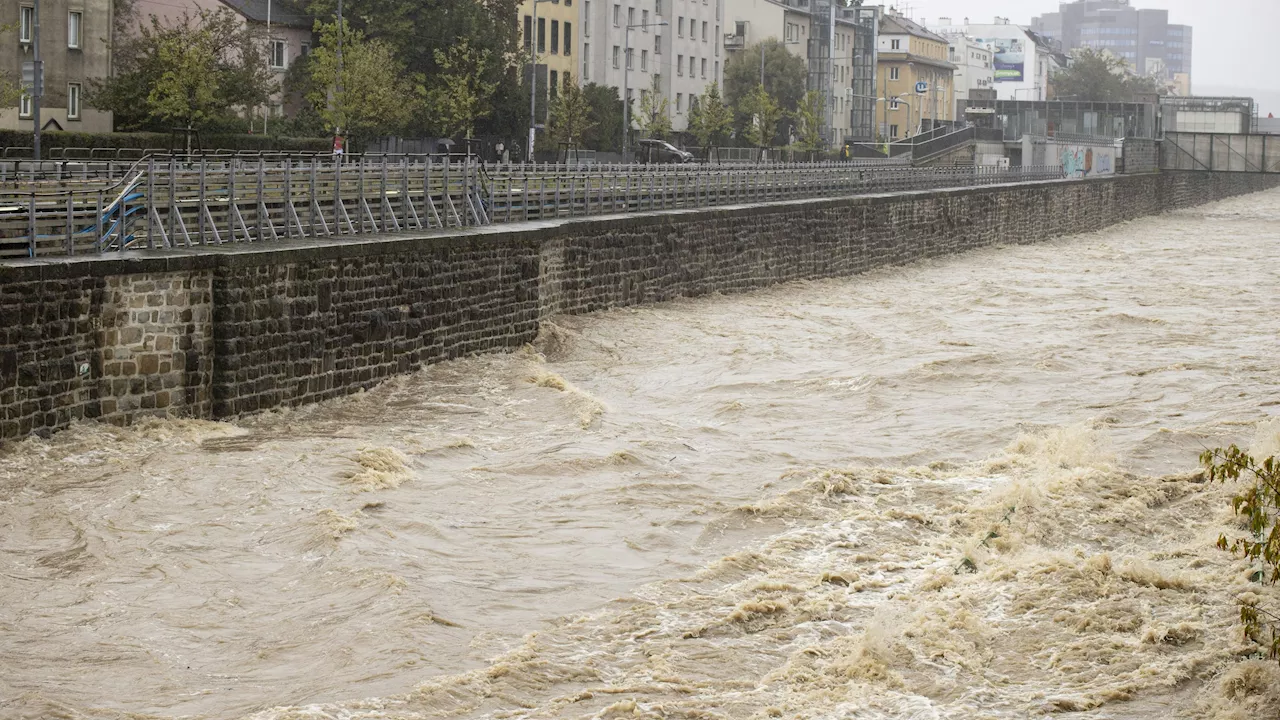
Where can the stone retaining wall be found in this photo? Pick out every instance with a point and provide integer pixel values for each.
(238, 329)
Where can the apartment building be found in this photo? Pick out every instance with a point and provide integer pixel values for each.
(75, 49)
(917, 73)
(556, 49)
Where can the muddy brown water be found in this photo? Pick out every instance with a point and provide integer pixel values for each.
(729, 506)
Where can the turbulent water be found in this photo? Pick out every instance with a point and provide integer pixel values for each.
(955, 490)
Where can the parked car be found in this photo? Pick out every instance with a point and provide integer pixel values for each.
(660, 151)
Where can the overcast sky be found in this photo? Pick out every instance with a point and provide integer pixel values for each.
(1236, 46)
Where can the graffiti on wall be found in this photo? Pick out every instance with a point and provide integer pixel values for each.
(1079, 161)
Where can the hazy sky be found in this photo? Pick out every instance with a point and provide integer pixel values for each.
(1236, 46)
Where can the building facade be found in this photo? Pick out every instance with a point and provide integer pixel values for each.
(75, 49)
(626, 45)
(1022, 61)
(916, 78)
(556, 49)
(1142, 37)
(973, 61)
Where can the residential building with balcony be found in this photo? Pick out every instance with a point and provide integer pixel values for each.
(75, 49)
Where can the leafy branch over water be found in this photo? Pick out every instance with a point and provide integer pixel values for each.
(1259, 505)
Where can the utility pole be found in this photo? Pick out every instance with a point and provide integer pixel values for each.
(37, 86)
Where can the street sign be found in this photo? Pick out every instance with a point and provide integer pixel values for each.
(922, 87)
(33, 77)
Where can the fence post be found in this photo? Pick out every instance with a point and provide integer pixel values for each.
(151, 199)
(97, 225)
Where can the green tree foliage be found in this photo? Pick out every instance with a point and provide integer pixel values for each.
(1259, 506)
(654, 118)
(763, 115)
(605, 113)
(809, 119)
(372, 96)
(785, 75)
(195, 72)
(416, 29)
(10, 89)
(710, 120)
(570, 115)
(461, 97)
(1099, 76)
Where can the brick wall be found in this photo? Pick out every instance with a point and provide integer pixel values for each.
(239, 329)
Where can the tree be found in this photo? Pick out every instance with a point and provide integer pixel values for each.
(809, 120)
(462, 97)
(372, 96)
(1259, 505)
(570, 115)
(198, 71)
(654, 117)
(764, 115)
(710, 120)
(415, 29)
(605, 131)
(784, 78)
(1099, 76)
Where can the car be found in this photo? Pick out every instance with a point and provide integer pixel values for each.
(660, 151)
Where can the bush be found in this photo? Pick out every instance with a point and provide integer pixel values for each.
(1259, 505)
(162, 141)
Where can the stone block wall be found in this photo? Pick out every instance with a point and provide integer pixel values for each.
(219, 332)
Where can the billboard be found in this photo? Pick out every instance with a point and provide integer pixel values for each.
(1009, 58)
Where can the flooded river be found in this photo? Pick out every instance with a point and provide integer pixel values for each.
(953, 490)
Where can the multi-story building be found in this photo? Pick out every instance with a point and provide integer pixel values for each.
(556, 50)
(283, 23)
(75, 50)
(1144, 38)
(838, 45)
(973, 61)
(632, 44)
(916, 76)
(1022, 61)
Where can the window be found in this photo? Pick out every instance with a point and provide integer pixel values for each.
(555, 38)
(740, 28)
(631, 16)
(617, 55)
(73, 101)
(644, 20)
(717, 43)
(630, 55)
(568, 38)
(895, 44)
(893, 73)
(717, 77)
(657, 44)
(704, 31)
(679, 101)
(586, 21)
(617, 15)
(553, 87)
(542, 35)
(73, 29)
(679, 64)
(304, 49)
(680, 26)
(644, 61)
(657, 7)
(704, 67)
(893, 131)
(691, 66)
(586, 58)
(568, 3)
(25, 23)
(277, 54)
(24, 106)
(528, 34)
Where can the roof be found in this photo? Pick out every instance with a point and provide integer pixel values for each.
(895, 25)
(283, 12)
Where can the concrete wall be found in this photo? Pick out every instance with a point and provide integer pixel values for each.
(236, 330)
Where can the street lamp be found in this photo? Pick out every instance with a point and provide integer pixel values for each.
(533, 77)
(626, 74)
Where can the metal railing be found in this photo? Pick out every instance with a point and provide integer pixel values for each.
(180, 203)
